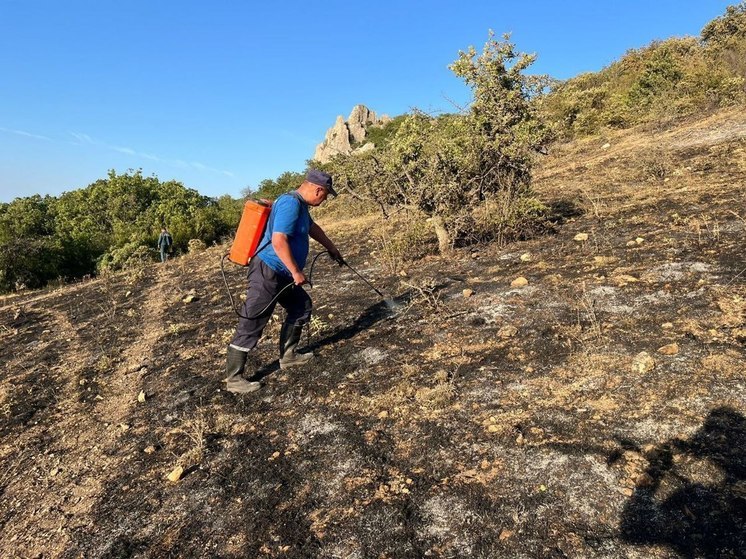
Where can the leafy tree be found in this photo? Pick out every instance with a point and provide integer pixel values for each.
(272, 188)
(448, 166)
(379, 136)
(723, 31)
(108, 224)
(29, 256)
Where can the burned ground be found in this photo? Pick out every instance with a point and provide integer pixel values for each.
(596, 411)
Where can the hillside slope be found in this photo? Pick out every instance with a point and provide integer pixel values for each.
(597, 411)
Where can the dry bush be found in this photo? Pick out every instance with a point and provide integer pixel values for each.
(656, 166)
(503, 217)
(191, 435)
(402, 239)
(425, 293)
(437, 397)
(196, 245)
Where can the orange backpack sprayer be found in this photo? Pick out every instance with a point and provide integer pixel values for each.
(248, 236)
(250, 231)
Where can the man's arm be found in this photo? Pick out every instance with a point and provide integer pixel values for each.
(318, 235)
(282, 248)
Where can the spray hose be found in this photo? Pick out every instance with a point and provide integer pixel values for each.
(274, 300)
(279, 294)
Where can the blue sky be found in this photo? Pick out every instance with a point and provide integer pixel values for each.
(220, 95)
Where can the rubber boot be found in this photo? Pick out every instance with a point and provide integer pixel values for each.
(289, 339)
(235, 362)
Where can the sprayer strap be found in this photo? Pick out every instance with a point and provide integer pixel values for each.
(262, 248)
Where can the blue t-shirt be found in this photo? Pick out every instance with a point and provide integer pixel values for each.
(289, 215)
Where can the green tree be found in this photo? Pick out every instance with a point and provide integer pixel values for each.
(723, 31)
(109, 223)
(29, 255)
(447, 167)
(272, 188)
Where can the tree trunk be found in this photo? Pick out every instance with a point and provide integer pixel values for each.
(444, 239)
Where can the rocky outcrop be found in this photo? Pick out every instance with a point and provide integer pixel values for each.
(346, 137)
(336, 141)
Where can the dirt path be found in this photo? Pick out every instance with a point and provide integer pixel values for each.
(71, 445)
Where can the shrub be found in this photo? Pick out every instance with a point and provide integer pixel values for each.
(665, 80)
(196, 245)
(444, 167)
(132, 255)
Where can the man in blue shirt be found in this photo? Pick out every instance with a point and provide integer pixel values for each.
(276, 266)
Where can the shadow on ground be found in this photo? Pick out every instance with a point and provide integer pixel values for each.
(696, 519)
(372, 315)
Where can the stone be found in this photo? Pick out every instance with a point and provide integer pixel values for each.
(606, 146)
(365, 148)
(340, 138)
(643, 363)
(526, 257)
(190, 296)
(519, 282)
(507, 332)
(580, 237)
(639, 240)
(336, 142)
(670, 349)
(175, 474)
(358, 121)
(467, 292)
(141, 397)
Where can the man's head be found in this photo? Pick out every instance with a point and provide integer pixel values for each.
(316, 187)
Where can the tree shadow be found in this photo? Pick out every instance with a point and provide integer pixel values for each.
(562, 210)
(694, 517)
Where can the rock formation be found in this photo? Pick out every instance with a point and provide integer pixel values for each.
(346, 137)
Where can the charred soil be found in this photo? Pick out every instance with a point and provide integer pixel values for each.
(597, 410)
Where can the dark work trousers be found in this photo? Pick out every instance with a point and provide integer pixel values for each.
(264, 285)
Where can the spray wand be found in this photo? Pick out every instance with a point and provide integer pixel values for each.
(342, 262)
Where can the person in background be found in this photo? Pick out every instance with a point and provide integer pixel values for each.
(164, 243)
(274, 268)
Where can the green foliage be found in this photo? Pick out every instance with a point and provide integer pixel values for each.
(379, 136)
(446, 167)
(272, 188)
(113, 223)
(727, 29)
(126, 257)
(667, 79)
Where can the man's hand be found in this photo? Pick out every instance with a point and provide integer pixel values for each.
(299, 278)
(337, 256)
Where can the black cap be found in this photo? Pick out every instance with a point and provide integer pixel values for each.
(322, 179)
